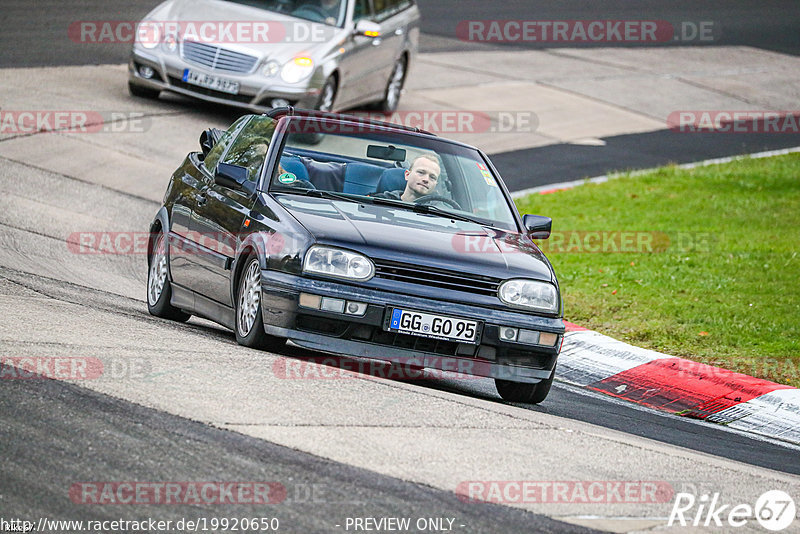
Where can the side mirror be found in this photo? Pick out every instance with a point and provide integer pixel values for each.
(367, 28)
(208, 139)
(231, 176)
(538, 226)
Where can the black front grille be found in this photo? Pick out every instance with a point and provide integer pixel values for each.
(428, 276)
(177, 82)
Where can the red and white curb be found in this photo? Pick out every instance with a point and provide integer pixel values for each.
(597, 362)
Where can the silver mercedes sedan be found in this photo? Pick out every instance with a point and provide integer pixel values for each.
(262, 54)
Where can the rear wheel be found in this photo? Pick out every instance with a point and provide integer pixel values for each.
(523, 392)
(159, 290)
(143, 92)
(249, 320)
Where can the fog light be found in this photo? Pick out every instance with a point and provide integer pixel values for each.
(530, 337)
(332, 305)
(355, 308)
(546, 338)
(279, 103)
(508, 334)
(146, 72)
(310, 301)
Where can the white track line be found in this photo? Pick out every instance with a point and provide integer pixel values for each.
(607, 177)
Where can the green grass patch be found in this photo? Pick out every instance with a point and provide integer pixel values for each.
(709, 266)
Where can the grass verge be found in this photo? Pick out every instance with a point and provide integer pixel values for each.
(703, 263)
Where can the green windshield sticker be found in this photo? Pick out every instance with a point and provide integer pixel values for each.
(287, 178)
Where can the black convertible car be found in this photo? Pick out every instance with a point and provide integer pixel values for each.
(358, 238)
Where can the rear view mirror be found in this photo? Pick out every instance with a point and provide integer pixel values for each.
(208, 139)
(537, 226)
(367, 28)
(389, 153)
(230, 176)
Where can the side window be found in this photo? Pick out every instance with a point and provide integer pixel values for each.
(250, 147)
(361, 10)
(385, 9)
(215, 153)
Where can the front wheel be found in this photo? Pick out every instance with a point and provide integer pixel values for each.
(249, 323)
(394, 88)
(159, 290)
(523, 392)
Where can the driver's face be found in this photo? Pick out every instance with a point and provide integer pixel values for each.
(422, 177)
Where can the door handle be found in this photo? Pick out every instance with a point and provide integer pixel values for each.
(399, 31)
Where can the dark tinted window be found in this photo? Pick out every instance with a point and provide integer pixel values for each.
(215, 153)
(362, 10)
(251, 145)
(388, 8)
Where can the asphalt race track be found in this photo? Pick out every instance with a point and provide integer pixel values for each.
(186, 403)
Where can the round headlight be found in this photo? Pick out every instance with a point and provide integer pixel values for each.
(329, 261)
(297, 69)
(148, 34)
(271, 68)
(170, 43)
(531, 294)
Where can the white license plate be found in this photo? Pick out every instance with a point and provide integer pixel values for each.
(433, 326)
(216, 83)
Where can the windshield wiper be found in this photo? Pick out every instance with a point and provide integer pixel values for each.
(320, 193)
(426, 209)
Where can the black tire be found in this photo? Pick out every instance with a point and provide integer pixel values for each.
(158, 298)
(327, 97)
(252, 336)
(394, 87)
(523, 392)
(143, 92)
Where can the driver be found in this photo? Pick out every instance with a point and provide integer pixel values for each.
(421, 180)
(331, 10)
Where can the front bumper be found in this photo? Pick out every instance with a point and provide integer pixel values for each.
(255, 91)
(365, 336)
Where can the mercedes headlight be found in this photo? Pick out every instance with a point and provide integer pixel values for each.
(297, 69)
(171, 43)
(540, 296)
(329, 261)
(148, 34)
(271, 68)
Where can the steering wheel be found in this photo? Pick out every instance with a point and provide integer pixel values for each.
(429, 199)
(310, 9)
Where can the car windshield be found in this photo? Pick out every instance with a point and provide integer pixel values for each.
(365, 163)
(331, 12)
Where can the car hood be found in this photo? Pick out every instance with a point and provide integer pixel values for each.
(290, 39)
(396, 234)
